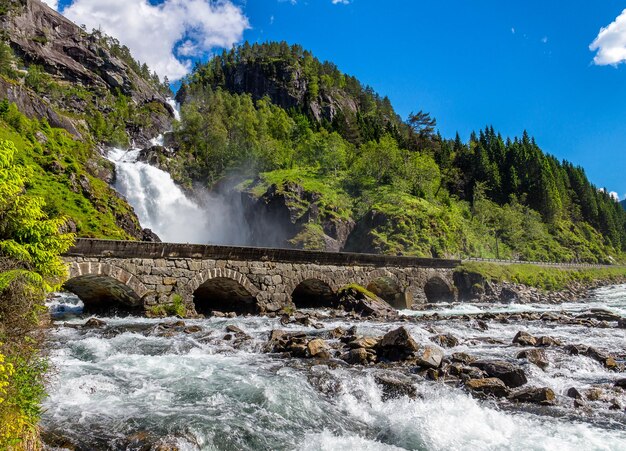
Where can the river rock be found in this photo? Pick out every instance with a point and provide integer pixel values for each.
(234, 329)
(352, 300)
(600, 315)
(94, 323)
(524, 339)
(621, 383)
(574, 393)
(512, 375)
(429, 357)
(445, 340)
(358, 356)
(318, 348)
(397, 345)
(534, 395)
(536, 356)
(363, 342)
(489, 386)
(395, 386)
(546, 341)
(463, 358)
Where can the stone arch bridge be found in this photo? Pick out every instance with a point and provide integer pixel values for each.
(139, 275)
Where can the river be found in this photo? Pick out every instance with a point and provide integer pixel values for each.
(137, 384)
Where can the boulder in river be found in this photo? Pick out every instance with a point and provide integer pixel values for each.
(524, 339)
(395, 386)
(358, 356)
(536, 356)
(429, 357)
(360, 302)
(621, 383)
(445, 340)
(397, 345)
(94, 323)
(600, 315)
(318, 348)
(512, 375)
(489, 386)
(534, 395)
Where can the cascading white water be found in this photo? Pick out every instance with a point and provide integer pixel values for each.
(134, 379)
(164, 208)
(158, 202)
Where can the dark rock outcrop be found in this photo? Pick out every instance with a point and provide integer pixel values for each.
(512, 375)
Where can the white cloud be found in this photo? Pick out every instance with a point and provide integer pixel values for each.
(544, 39)
(164, 36)
(610, 43)
(54, 4)
(341, 2)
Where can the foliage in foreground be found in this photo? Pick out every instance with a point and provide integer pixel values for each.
(30, 266)
(544, 277)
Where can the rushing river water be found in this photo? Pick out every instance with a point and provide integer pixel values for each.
(134, 382)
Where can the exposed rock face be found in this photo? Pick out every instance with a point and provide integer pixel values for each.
(40, 35)
(280, 217)
(286, 86)
(32, 105)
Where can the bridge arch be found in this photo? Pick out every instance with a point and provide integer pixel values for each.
(104, 287)
(224, 290)
(387, 286)
(312, 289)
(437, 289)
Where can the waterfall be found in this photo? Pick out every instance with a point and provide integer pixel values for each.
(164, 208)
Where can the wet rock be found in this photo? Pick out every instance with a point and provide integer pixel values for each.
(463, 358)
(574, 393)
(397, 345)
(395, 386)
(524, 339)
(621, 383)
(621, 323)
(491, 386)
(600, 315)
(358, 356)
(536, 356)
(338, 332)
(429, 357)
(352, 300)
(234, 329)
(94, 323)
(600, 356)
(445, 340)
(363, 342)
(548, 341)
(192, 329)
(594, 394)
(534, 395)
(318, 348)
(512, 375)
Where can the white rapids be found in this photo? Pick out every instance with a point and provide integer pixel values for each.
(200, 391)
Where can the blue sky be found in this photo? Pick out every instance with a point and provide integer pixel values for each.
(514, 65)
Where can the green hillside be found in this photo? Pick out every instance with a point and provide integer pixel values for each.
(282, 118)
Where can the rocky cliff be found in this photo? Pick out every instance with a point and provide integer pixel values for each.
(41, 36)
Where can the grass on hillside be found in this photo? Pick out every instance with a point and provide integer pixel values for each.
(546, 278)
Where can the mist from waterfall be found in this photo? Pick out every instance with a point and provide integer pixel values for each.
(164, 208)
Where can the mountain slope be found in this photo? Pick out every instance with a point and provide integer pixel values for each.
(330, 165)
(64, 94)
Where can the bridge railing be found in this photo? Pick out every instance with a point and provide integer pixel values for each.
(142, 249)
(537, 263)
